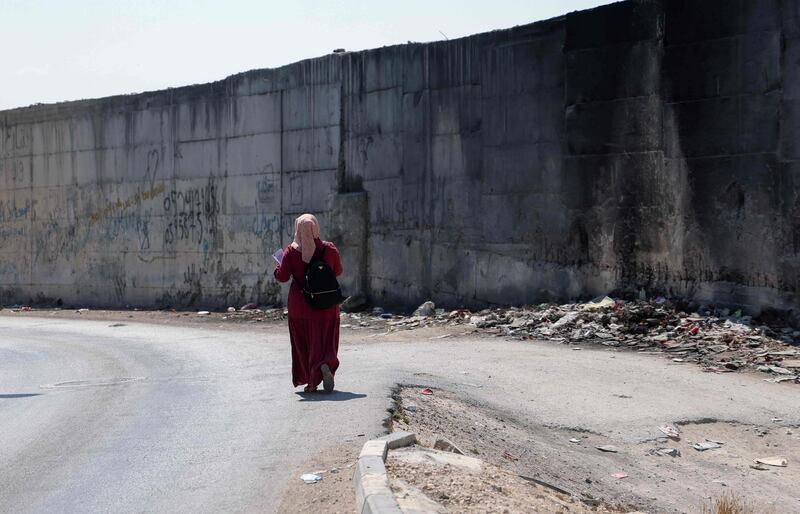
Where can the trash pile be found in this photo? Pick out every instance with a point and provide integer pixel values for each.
(254, 314)
(719, 340)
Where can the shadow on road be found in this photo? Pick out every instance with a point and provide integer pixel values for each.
(18, 395)
(336, 396)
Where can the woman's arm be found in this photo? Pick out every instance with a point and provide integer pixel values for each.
(283, 271)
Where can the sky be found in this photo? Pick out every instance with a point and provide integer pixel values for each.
(57, 50)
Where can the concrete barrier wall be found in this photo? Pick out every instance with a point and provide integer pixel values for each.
(641, 145)
(177, 197)
(459, 146)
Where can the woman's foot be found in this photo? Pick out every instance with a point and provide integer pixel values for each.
(327, 378)
(310, 389)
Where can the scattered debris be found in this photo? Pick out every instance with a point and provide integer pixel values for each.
(510, 456)
(311, 478)
(446, 445)
(706, 445)
(566, 319)
(716, 339)
(353, 304)
(778, 380)
(574, 440)
(231, 309)
(203, 313)
(669, 452)
(252, 314)
(443, 336)
(619, 475)
(776, 369)
(773, 461)
(410, 408)
(670, 431)
(604, 303)
(80, 311)
(426, 309)
(547, 485)
(426, 391)
(608, 448)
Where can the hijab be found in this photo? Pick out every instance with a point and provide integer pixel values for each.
(306, 230)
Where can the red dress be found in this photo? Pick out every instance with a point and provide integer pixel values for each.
(314, 334)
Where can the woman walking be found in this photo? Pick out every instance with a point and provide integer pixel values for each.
(314, 334)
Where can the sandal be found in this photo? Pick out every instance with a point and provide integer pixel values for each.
(327, 378)
(310, 389)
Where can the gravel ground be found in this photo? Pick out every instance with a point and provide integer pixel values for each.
(570, 460)
(490, 490)
(334, 494)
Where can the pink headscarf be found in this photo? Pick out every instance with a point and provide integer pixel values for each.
(306, 229)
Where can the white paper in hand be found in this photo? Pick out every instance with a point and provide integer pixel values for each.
(278, 256)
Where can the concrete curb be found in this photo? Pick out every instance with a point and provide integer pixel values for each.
(373, 495)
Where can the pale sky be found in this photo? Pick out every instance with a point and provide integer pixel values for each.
(56, 50)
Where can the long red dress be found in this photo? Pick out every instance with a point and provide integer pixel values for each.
(314, 334)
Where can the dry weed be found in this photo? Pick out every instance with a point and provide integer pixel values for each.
(728, 503)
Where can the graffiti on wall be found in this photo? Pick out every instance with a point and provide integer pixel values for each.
(16, 138)
(15, 169)
(394, 208)
(192, 214)
(11, 211)
(122, 204)
(266, 224)
(58, 239)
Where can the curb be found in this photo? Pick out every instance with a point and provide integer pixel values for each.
(373, 495)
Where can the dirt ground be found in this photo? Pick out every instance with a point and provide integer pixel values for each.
(269, 321)
(652, 482)
(334, 494)
(488, 489)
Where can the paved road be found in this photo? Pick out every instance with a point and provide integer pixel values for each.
(152, 418)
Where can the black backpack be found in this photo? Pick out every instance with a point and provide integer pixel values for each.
(322, 290)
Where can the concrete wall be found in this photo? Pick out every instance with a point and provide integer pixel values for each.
(177, 197)
(641, 145)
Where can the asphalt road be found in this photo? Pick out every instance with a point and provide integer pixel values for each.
(152, 418)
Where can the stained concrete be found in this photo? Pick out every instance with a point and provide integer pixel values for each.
(640, 145)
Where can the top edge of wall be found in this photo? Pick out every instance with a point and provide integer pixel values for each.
(316, 70)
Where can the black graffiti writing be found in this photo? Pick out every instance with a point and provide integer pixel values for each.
(193, 214)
